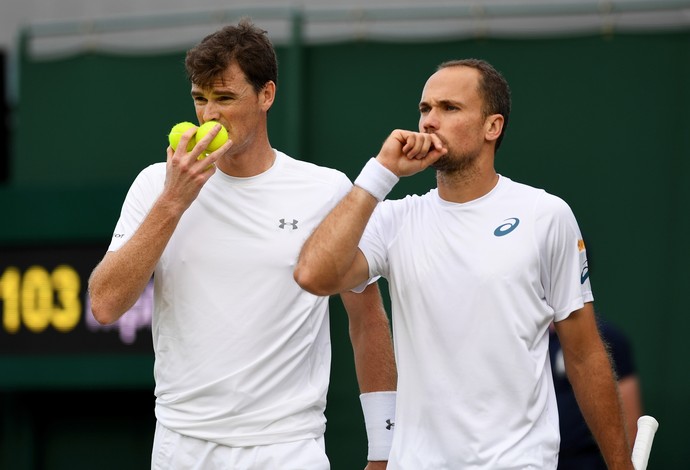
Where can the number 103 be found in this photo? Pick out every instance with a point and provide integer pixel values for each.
(39, 298)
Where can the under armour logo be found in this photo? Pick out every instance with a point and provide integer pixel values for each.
(389, 424)
(293, 224)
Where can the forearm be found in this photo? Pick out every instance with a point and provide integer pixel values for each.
(329, 263)
(374, 357)
(597, 395)
(375, 367)
(120, 278)
(371, 340)
(326, 261)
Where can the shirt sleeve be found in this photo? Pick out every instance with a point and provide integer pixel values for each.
(143, 192)
(565, 274)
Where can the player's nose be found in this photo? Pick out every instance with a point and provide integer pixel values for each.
(428, 122)
(211, 112)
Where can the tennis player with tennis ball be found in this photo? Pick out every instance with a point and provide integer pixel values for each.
(242, 353)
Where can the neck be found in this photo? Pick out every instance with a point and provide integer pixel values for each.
(466, 186)
(244, 163)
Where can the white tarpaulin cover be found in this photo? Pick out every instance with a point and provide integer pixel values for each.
(64, 27)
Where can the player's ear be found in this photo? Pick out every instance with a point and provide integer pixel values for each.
(493, 126)
(267, 95)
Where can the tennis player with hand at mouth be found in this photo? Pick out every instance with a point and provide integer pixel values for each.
(478, 269)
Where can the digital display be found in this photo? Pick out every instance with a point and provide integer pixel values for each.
(45, 307)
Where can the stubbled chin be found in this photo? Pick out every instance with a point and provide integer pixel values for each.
(450, 163)
(442, 164)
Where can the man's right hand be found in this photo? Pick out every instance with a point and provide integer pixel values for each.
(406, 153)
(186, 173)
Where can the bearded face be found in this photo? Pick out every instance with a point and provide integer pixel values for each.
(456, 162)
(451, 108)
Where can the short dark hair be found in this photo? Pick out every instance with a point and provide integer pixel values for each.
(493, 88)
(244, 43)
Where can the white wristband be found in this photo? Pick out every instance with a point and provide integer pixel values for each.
(376, 179)
(379, 419)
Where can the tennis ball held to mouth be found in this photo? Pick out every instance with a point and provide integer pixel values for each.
(217, 141)
(181, 127)
(177, 131)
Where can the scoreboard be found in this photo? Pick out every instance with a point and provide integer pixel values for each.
(46, 321)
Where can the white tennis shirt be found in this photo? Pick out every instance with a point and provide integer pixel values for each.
(242, 353)
(473, 288)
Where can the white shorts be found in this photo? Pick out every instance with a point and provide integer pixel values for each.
(173, 451)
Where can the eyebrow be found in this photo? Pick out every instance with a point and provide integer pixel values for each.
(442, 103)
(218, 92)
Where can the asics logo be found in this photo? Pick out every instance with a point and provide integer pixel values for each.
(284, 224)
(507, 226)
(585, 273)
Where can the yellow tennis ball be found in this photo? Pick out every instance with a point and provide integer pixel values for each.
(217, 141)
(177, 131)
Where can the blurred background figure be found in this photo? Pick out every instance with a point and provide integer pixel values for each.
(578, 450)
